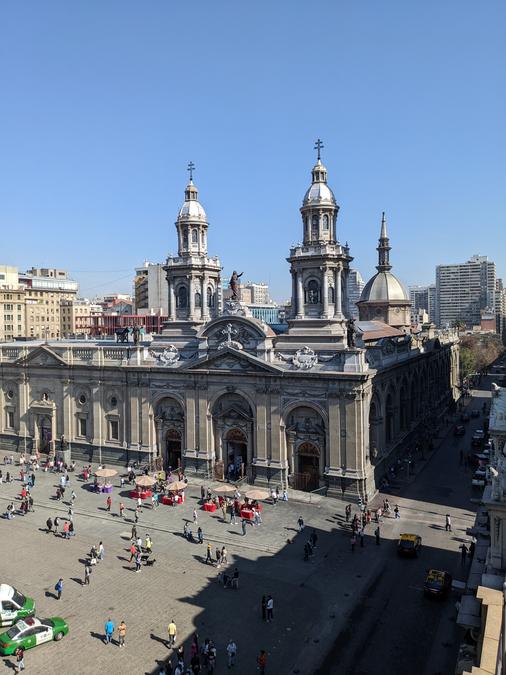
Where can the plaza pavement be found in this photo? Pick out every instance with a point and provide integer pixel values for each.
(312, 600)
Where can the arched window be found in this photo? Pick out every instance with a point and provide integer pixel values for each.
(331, 295)
(314, 227)
(185, 240)
(313, 292)
(182, 297)
(325, 222)
(198, 299)
(210, 297)
(203, 238)
(195, 237)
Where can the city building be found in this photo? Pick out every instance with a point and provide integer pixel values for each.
(320, 405)
(77, 316)
(45, 290)
(462, 290)
(423, 298)
(150, 290)
(12, 304)
(355, 287)
(117, 304)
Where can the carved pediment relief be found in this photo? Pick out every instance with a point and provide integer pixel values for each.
(229, 359)
(42, 356)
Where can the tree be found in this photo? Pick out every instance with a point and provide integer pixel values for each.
(467, 362)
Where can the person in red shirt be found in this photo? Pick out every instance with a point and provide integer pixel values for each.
(262, 661)
(109, 503)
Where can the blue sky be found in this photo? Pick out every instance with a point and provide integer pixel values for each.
(102, 104)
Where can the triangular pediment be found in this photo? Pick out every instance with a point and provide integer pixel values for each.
(42, 356)
(230, 359)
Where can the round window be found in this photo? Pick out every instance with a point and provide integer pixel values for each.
(10, 394)
(82, 399)
(114, 401)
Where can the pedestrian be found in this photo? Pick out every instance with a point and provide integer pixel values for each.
(235, 579)
(56, 524)
(149, 544)
(262, 661)
(121, 634)
(87, 574)
(218, 557)
(465, 551)
(109, 503)
(285, 495)
(209, 556)
(231, 653)
(136, 515)
(300, 523)
(109, 630)
(353, 541)
(195, 516)
(59, 588)
(397, 513)
(472, 546)
(377, 535)
(101, 551)
(134, 532)
(200, 536)
(264, 608)
(49, 525)
(121, 509)
(313, 538)
(202, 494)
(133, 551)
(243, 525)
(448, 523)
(270, 608)
(138, 561)
(65, 532)
(224, 510)
(172, 631)
(139, 502)
(224, 559)
(20, 659)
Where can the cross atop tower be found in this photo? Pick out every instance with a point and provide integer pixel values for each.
(191, 167)
(318, 146)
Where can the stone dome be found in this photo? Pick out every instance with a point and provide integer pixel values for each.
(192, 209)
(384, 287)
(318, 193)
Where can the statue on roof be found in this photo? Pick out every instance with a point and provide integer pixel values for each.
(233, 284)
(351, 332)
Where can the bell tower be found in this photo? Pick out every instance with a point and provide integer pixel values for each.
(193, 277)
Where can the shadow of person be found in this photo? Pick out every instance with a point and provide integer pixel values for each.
(49, 594)
(157, 638)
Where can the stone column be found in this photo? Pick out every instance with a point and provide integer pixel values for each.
(261, 424)
(338, 299)
(191, 299)
(203, 295)
(172, 301)
(344, 282)
(300, 296)
(325, 293)
(294, 293)
(290, 449)
(189, 420)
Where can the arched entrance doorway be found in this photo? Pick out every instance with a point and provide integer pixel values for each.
(173, 448)
(308, 465)
(46, 434)
(236, 449)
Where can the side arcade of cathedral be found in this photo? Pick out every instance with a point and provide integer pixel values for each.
(326, 404)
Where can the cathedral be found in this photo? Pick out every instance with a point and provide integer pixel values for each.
(326, 405)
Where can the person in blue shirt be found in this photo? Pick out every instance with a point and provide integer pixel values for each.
(109, 630)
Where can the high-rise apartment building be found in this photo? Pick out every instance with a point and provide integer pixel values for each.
(151, 291)
(355, 287)
(462, 290)
(12, 304)
(423, 297)
(45, 290)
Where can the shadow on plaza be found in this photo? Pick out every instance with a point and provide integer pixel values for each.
(301, 603)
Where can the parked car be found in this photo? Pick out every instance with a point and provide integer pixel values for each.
(14, 605)
(31, 632)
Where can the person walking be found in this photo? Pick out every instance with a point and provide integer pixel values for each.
(59, 588)
(264, 608)
(172, 631)
(121, 509)
(20, 659)
(134, 532)
(300, 523)
(243, 526)
(235, 579)
(218, 558)
(108, 503)
(231, 653)
(121, 634)
(224, 558)
(270, 608)
(56, 525)
(397, 514)
(464, 553)
(136, 514)
(101, 551)
(313, 538)
(109, 630)
(49, 525)
(87, 574)
(65, 533)
(133, 551)
(209, 555)
(377, 535)
(138, 561)
(448, 523)
(262, 662)
(200, 536)
(195, 517)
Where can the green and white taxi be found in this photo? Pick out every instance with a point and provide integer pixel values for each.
(31, 632)
(14, 605)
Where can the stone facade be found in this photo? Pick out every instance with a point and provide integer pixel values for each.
(316, 407)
